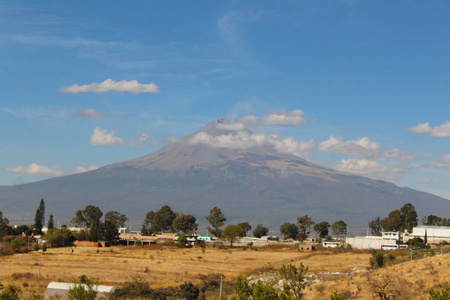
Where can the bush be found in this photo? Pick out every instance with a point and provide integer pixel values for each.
(189, 291)
(336, 296)
(82, 292)
(138, 288)
(17, 243)
(36, 247)
(182, 241)
(44, 247)
(11, 292)
(439, 295)
(416, 242)
(377, 260)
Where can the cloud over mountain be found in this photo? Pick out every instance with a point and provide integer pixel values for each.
(361, 147)
(37, 170)
(283, 118)
(366, 167)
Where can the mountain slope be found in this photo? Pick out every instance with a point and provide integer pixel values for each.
(252, 182)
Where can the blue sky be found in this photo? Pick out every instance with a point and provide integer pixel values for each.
(361, 86)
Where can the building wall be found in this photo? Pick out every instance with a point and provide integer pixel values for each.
(435, 234)
(368, 242)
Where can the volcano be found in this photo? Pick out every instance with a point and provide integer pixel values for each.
(223, 165)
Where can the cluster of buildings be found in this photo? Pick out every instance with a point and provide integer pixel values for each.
(395, 240)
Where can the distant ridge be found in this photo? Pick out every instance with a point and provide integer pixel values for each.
(254, 183)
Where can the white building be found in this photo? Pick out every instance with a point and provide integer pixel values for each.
(435, 234)
(387, 239)
(61, 290)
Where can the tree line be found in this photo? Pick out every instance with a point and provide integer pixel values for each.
(166, 220)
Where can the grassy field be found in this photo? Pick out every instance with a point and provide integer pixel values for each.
(162, 266)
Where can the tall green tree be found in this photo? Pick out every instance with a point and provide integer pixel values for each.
(339, 228)
(393, 222)
(289, 230)
(116, 218)
(260, 231)
(163, 219)
(90, 217)
(231, 233)
(376, 226)
(147, 225)
(322, 229)
(39, 218)
(110, 231)
(245, 228)
(217, 219)
(304, 226)
(51, 222)
(92, 214)
(409, 216)
(184, 223)
(3, 220)
(79, 220)
(432, 220)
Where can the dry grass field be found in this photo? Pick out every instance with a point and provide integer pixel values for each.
(163, 265)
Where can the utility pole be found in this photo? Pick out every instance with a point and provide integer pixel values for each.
(39, 276)
(221, 277)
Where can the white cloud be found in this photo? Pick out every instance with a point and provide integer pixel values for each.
(241, 140)
(171, 139)
(132, 86)
(100, 137)
(429, 181)
(288, 145)
(443, 162)
(292, 118)
(90, 113)
(83, 168)
(245, 139)
(142, 141)
(37, 170)
(437, 131)
(366, 167)
(399, 155)
(362, 147)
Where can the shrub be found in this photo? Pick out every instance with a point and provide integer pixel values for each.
(36, 247)
(11, 292)
(44, 247)
(189, 291)
(138, 288)
(416, 242)
(294, 280)
(377, 260)
(439, 295)
(202, 245)
(336, 296)
(17, 243)
(182, 241)
(82, 292)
